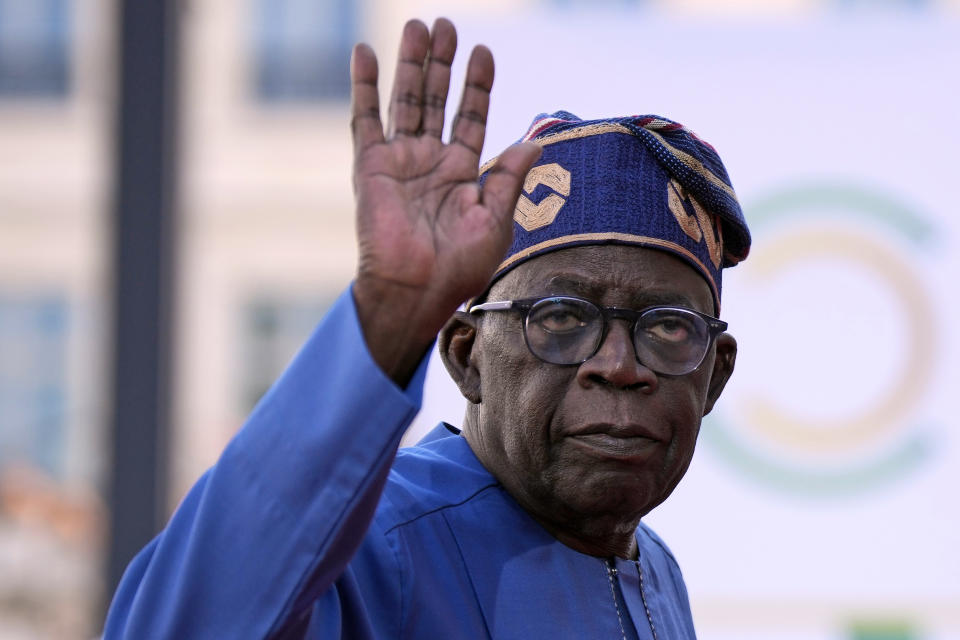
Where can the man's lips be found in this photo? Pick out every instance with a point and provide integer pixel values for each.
(617, 441)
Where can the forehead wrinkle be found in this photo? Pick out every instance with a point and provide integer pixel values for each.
(587, 287)
(609, 275)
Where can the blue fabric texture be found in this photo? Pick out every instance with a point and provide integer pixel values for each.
(310, 526)
(640, 180)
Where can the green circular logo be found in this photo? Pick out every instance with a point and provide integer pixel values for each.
(859, 231)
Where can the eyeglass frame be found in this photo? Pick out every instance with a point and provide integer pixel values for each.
(632, 316)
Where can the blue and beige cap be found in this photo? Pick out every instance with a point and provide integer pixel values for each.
(638, 180)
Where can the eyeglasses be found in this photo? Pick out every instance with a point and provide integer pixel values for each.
(566, 331)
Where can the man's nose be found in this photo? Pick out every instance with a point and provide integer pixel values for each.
(615, 363)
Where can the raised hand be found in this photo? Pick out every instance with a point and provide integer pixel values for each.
(429, 235)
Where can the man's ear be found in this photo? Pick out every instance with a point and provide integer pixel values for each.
(456, 342)
(722, 369)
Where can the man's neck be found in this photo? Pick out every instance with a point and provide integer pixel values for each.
(603, 536)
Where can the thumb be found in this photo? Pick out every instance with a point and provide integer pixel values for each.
(502, 186)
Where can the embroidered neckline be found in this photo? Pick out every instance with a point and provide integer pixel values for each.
(643, 598)
(611, 574)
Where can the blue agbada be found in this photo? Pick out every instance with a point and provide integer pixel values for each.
(310, 526)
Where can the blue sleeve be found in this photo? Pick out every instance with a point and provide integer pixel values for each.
(274, 523)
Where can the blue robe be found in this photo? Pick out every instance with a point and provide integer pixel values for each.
(312, 525)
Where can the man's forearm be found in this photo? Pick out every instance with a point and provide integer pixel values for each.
(283, 510)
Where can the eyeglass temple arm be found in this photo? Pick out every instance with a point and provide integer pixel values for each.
(491, 306)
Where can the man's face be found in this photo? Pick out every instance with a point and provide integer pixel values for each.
(608, 436)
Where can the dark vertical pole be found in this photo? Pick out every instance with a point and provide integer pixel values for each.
(143, 253)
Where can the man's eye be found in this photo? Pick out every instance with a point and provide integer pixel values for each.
(560, 320)
(673, 329)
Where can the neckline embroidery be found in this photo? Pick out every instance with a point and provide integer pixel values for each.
(611, 574)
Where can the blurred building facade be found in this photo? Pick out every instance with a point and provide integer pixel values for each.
(55, 88)
(266, 243)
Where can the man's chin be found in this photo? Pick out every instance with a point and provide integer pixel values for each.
(605, 498)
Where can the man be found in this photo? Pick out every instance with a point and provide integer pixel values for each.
(588, 356)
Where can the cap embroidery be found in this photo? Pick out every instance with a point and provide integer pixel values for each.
(535, 216)
(698, 225)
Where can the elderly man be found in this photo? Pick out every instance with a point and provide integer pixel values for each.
(588, 356)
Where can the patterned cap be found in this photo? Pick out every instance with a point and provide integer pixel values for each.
(638, 180)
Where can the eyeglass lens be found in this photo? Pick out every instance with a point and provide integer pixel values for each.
(569, 331)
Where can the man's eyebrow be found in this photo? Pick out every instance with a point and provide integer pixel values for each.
(570, 283)
(664, 299)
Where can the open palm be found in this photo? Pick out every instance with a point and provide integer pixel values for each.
(429, 235)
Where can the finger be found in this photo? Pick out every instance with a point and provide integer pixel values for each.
(502, 186)
(443, 46)
(406, 102)
(365, 99)
(470, 125)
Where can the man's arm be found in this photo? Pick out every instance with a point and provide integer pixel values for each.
(275, 521)
(279, 516)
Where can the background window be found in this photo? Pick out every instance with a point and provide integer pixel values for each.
(273, 331)
(33, 341)
(34, 41)
(302, 49)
